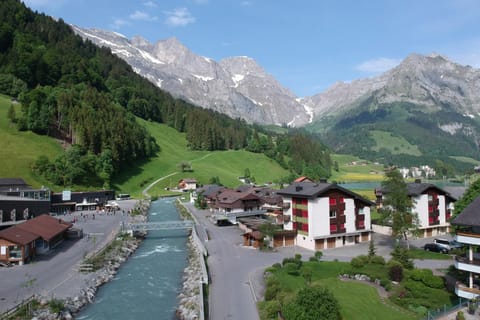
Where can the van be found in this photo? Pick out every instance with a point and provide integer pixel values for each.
(447, 244)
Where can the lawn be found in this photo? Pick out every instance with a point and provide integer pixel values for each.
(356, 299)
(226, 165)
(394, 144)
(20, 149)
(353, 169)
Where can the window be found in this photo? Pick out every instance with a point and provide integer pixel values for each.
(333, 228)
(360, 211)
(430, 197)
(342, 199)
(333, 213)
(333, 201)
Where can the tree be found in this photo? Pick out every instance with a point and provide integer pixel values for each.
(11, 114)
(312, 303)
(185, 166)
(371, 249)
(398, 206)
(246, 173)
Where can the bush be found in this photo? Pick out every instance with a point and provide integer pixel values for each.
(312, 303)
(318, 254)
(313, 259)
(277, 266)
(292, 269)
(395, 271)
(55, 306)
(402, 255)
(359, 261)
(460, 316)
(377, 260)
(427, 277)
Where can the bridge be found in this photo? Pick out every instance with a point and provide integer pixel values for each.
(164, 225)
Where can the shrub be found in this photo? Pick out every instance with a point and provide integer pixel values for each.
(312, 303)
(359, 261)
(402, 255)
(460, 316)
(313, 259)
(318, 254)
(377, 260)
(427, 277)
(292, 269)
(277, 266)
(395, 272)
(55, 306)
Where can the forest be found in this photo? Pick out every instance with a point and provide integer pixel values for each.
(86, 97)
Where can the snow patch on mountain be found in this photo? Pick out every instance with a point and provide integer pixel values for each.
(202, 77)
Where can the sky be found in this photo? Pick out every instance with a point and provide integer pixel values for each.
(307, 45)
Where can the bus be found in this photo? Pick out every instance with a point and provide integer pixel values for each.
(123, 196)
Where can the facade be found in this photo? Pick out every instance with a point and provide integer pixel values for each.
(187, 184)
(468, 233)
(17, 245)
(19, 201)
(434, 207)
(325, 215)
(82, 200)
(231, 201)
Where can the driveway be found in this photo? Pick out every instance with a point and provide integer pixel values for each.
(237, 271)
(56, 275)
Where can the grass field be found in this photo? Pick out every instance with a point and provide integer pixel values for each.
(353, 169)
(227, 165)
(356, 299)
(394, 144)
(21, 149)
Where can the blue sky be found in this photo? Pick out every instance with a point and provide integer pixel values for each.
(307, 45)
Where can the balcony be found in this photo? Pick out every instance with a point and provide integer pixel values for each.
(468, 238)
(463, 291)
(462, 263)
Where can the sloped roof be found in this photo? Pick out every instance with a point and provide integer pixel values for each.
(312, 189)
(229, 196)
(47, 227)
(470, 216)
(209, 190)
(303, 179)
(12, 182)
(418, 188)
(18, 235)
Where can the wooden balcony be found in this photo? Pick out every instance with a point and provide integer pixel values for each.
(463, 263)
(463, 291)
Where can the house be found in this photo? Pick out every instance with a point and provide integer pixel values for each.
(236, 201)
(468, 233)
(51, 231)
(17, 245)
(432, 204)
(209, 193)
(325, 215)
(187, 184)
(21, 242)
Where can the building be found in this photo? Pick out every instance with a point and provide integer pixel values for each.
(19, 201)
(468, 233)
(187, 184)
(78, 201)
(21, 242)
(236, 201)
(434, 206)
(325, 215)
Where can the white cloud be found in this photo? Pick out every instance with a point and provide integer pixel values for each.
(378, 65)
(150, 4)
(118, 23)
(143, 16)
(179, 17)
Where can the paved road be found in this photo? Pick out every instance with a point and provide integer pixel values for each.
(237, 271)
(55, 275)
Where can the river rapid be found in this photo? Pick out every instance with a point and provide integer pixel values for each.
(147, 285)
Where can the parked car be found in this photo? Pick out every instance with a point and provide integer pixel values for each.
(447, 244)
(435, 247)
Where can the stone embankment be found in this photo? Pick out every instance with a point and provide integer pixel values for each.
(190, 298)
(113, 260)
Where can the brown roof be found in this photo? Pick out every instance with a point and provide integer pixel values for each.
(18, 235)
(45, 226)
(470, 216)
(228, 196)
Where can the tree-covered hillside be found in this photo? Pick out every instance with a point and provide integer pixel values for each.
(85, 96)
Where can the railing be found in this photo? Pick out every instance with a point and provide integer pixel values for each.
(461, 259)
(165, 225)
(443, 311)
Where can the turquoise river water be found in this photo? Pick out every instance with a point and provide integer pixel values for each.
(147, 285)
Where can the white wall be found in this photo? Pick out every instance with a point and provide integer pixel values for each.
(441, 209)
(288, 212)
(305, 242)
(421, 208)
(350, 215)
(319, 217)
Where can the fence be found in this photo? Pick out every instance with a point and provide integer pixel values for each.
(7, 314)
(440, 312)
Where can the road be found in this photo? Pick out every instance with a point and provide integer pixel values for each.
(237, 271)
(55, 275)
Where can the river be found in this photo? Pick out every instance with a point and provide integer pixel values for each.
(147, 285)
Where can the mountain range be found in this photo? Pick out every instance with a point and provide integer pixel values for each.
(428, 106)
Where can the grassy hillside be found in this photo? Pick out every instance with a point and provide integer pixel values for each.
(226, 165)
(21, 149)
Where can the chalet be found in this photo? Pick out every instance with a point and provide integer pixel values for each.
(325, 215)
(433, 206)
(52, 231)
(468, 233)
(17, 245)
(236, 201)
(209, 193)
(187, 184)
(21, 242)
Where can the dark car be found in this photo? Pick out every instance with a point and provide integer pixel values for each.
(434, 247)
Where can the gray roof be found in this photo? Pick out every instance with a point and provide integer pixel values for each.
(418, 188)
(470, 216)
(312, 189)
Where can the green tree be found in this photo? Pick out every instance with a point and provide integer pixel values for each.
(312, 303)
(185, 166)
(371, 249)
(471, 194)
(246, 173)
(11, 114)
(397, 209)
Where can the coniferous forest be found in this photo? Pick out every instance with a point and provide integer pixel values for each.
(88, 98)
